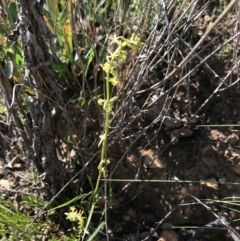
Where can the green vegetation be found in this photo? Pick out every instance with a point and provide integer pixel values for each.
(78, 81)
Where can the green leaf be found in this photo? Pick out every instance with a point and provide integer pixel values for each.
(12, 14)
(70, 201)
(99, 5)
(89, 56)
(19, 60)
(67, 30)
(90, 181)
(64, 15)
(53, 9)
(5, 209)
(3, 109)
(60, 36)
(3, 30)
(96, 232)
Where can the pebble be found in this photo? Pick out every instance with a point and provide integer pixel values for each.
(168, 236)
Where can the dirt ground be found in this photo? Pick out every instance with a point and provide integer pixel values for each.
(192, 154)
(208, 161)
(196, 155)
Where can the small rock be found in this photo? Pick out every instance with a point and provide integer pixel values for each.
(233, 139)
(206, 150)
(159, 106)
(181, 133)
(151, 160)
(172, 123)
(209, 162)
(217, 135)
(192, 188)
(168, 236)
(210, 191)
(132, 161)
(184, 192)
(210, 182)
(4, 183)
(207, 18)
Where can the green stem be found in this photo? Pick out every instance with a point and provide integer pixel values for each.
(103, 153)
(104, 144)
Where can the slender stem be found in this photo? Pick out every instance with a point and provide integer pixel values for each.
(109, 69)
(104, 144)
